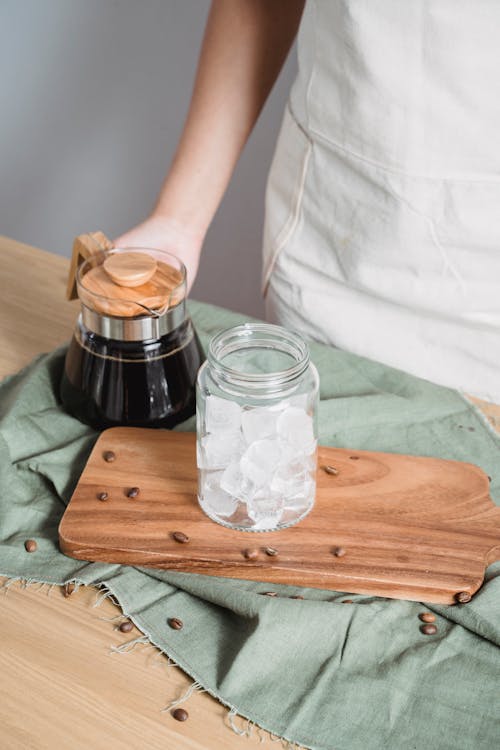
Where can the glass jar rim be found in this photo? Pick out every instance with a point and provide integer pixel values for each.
(258, 335)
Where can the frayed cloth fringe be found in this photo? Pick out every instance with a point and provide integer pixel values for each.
(194, 688)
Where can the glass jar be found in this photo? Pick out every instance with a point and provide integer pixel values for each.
(256, 406)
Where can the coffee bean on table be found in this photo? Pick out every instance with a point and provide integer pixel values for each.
(268, 593)
(102, 496)
(297, 596)
(339, 551)
(133, 492)
(180, 537)
(427, 617)
(180, 714)
(347, 601)
(109, 456)
(175, 623)
(271, 551)
(125, 627)
(68, 589)
(250, 554)
(30, 545)
(463, 597)
(428, 629)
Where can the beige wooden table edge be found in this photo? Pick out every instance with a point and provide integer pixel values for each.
(61, 686)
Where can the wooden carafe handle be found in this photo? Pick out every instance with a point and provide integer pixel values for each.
(84, 246)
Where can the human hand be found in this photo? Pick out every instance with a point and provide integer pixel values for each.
(164, 233)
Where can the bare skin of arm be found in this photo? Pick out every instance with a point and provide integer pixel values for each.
(245, 45)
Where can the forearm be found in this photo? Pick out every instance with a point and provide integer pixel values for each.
(244, 48)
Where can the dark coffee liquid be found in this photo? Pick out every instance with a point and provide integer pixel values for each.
(135, 383)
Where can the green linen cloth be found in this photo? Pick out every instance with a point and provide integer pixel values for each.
(321, 673)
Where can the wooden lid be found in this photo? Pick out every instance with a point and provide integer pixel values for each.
(130, 269)
(99, 292)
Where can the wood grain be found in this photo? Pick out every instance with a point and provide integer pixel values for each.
(63, 689)
(412, 528)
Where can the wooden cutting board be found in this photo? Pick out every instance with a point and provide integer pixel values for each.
(409, 528)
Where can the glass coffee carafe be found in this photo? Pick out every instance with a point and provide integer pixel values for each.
(134, 355)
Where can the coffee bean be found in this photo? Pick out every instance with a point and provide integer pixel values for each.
(109, 456)
(68, 589)
(427, 617)
(271, 551)
(463, 597)
(471, 429)
(180, 537)
(298, 596)
(125, 627)
(347, 601)
(354, 458)
(30, 545)
(133, 492)
(428, 629)
(180, 714)
(339, 552)
(175, 623)
(489, 478)
(331, 470)
(268, 593)
(102, 496)
(250, 554)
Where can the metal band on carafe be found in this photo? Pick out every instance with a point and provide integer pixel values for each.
(140, 328)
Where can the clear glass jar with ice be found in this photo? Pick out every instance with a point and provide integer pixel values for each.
(256, 405)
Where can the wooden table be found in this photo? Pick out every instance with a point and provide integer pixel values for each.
(60, 686)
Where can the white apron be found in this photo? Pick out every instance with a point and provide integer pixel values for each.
(382, 232)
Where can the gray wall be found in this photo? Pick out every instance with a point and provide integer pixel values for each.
(93, 95)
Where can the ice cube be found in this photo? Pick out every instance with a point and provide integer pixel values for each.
(217, 450)
(221, 414)
(259, 423)
(234, 482)
(260, 460)
(295, 426)
(213, 497)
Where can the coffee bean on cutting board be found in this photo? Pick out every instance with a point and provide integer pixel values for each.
(133, 492)
(338, 551)
(250, 554)
(427, 617)
(271, 551)
(428, 629)
(180, 537)
(30, 545)
(102, 496)
(175, 623)
(180, 714)
(109, 456)
(125, 627)
(463, 597)
(331, 470)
